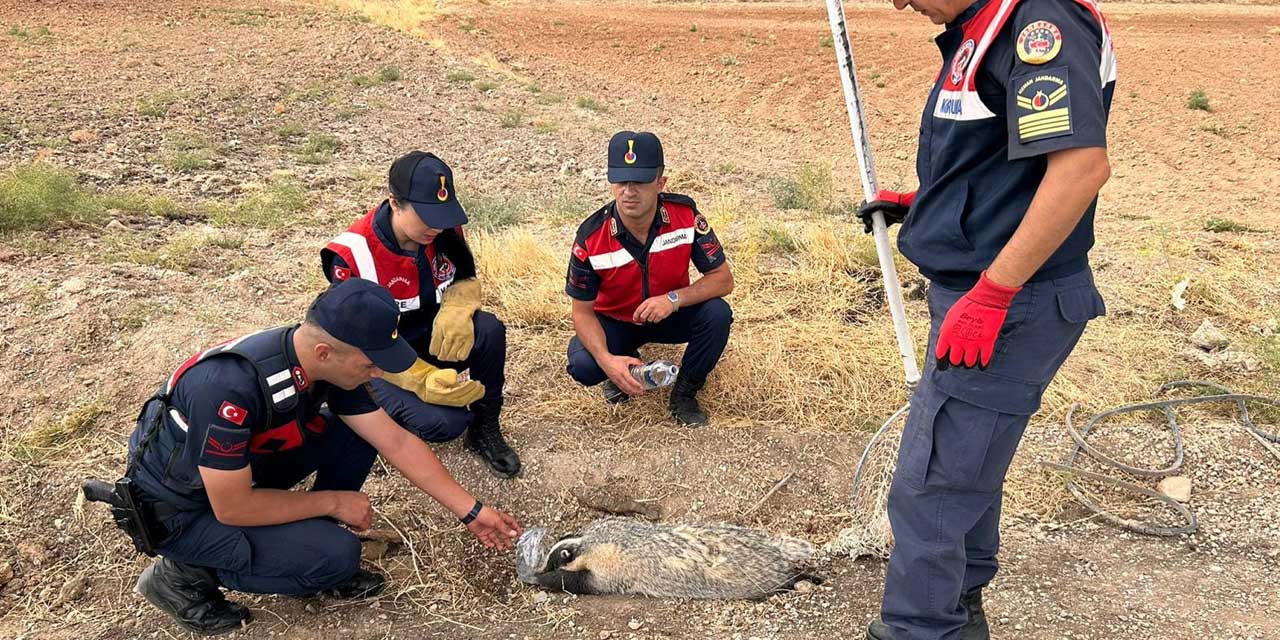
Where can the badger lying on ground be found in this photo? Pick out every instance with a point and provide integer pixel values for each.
(625, 556)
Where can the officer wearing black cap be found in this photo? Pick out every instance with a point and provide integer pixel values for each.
(217, 448)
(1011, 157)
(629, 280)
(413, 245)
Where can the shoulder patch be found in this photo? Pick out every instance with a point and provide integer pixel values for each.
(341, 273)
(1039, 42)
(700, 224)
(1042, 107)
(232, 413)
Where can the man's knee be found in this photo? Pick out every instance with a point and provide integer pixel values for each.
(337, 553)
(715, 313)
(582, 366)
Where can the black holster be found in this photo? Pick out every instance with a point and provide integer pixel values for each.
(130, 512)
(134, 515)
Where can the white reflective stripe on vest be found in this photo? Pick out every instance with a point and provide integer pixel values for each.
(278, 377)
(177, 419)
(283, 394)
(409, 304)
(611, 260)
(360, 251)
(965, 103)
(671, 240)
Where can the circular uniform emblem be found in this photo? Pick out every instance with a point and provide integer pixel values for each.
(960, 63)
(1039, 42)
(701, 225)
(443, 193)
(630, 157)
(442, 268)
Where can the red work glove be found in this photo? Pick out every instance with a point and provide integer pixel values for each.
(970, 329)
(892, 204)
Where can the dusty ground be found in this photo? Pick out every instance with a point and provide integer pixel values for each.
(741, 94)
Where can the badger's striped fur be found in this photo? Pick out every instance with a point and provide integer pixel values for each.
(625, 556)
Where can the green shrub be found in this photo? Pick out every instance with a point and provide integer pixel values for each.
(275, 205)
(40, 196)
(1199, 101)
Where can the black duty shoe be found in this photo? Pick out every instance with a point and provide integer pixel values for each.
(975, 627)
(612, 394)
(363, 584)
(190, 596)
(684, 403)
(878, 630)
(484, 436)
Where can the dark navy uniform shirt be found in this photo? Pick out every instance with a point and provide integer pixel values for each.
(204, 393)
(1042, 83)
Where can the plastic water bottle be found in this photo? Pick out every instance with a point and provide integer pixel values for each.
(656, 374)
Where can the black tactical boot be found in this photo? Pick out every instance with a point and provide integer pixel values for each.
(878, 630)
(612, 394)
(191, 597)
(975, 627)
(684, 403)
(484, 436)
(363, 584)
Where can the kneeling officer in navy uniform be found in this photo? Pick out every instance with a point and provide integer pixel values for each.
(217, 448)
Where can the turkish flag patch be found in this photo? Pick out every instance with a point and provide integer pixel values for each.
(341, 273)
(579, 252)
(233, 414)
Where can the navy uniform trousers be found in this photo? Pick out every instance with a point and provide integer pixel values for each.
(963, 428)
(705, 326)
(296, 558)
(439, 423)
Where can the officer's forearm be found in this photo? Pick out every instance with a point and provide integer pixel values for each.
(413, 458)
(1071, 181)
(716, 283)
(423, 468)
(237, 504)
(587, 326)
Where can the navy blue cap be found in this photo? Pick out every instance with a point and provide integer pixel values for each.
(426, 182)
(634, 157)
(363, 314)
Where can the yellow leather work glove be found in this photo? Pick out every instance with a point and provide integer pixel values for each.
(453, 334)
(436, 386)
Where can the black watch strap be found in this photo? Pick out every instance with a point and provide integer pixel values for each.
(475, 511)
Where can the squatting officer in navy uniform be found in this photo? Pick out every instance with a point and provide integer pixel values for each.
(413, 245)
(629, 280)
(1012, 155)
(237, 425)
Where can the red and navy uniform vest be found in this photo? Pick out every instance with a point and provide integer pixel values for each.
(168, 463)
(1019, 79)
(607, 266)
(416, 280)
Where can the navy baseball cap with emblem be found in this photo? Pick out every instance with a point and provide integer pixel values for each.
(363, 314)
(634, 157)
(426, 182)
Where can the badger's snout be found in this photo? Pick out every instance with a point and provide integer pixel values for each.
(531, 554)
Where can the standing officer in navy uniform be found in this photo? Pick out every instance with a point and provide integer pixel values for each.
(413, 245)
(237, 425)
(629, 280)
(1012, 155)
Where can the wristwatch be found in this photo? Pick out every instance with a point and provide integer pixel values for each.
(674, 299)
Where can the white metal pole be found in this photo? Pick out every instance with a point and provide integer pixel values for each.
(858, 126)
